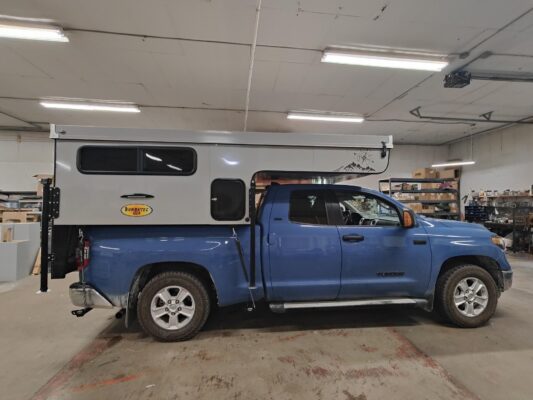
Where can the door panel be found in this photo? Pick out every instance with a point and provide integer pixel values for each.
(381, 260)
(305, 253)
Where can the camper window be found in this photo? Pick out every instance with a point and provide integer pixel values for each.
(107, 159)
(133, 160)
(228, 199)
(168, 161)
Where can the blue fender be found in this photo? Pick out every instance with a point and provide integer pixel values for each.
(117, 254)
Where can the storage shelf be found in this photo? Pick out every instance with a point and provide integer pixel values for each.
(417, 180)
(439, 214)
(407, 201)
(420, 191)
(386, 186)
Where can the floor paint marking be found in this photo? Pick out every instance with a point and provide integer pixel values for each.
(408, 349)
(90, 352)
(107, 382)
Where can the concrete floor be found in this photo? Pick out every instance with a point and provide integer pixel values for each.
(352, 354)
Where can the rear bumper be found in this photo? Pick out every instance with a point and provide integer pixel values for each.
(507, 278)
(84, 295)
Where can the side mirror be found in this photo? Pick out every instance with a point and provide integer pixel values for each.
(408, 219)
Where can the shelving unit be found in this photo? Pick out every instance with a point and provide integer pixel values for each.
(426, 195)
(28, 204)
(506, 214)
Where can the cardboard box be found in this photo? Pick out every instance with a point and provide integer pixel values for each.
(424, 173)
(451, 173)
(14, 216)
(416, 207)
(6, 234)
(39, 184)
(433, 186)
(428, 209)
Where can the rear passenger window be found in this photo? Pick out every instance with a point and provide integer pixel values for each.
(308, 207)
(228, 197)
(136, 160)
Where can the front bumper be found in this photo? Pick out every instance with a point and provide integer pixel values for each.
(84, 295)
(507, 278)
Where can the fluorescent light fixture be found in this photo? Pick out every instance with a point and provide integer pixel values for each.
(128, 108)
(174, 167)
(382, 59)
(32, 32)
(453, 164)
(328, 117)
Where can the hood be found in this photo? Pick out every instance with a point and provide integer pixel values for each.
(451, 223)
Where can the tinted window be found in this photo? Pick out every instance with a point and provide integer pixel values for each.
(137, 160)
(308, 207)
(168, 161)
(228, 199)
(108, 159)
(364, 209)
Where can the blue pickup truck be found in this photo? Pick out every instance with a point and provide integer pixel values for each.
(317, 246)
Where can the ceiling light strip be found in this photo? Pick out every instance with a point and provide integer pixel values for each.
(126, 108)
(325, 117)
(33, 32)
(453, 164)
(384, 60)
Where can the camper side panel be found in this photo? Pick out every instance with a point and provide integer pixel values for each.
(96, 198)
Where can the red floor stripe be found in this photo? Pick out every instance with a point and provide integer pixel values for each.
(59, 380)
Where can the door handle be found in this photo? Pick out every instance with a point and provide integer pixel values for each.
(419, 241)
(353, 238)
(137, 196)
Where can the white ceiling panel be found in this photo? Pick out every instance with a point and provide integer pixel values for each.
(201, 83)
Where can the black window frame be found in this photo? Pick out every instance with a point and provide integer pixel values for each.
(338, 215)
(140, 162)
(328, 200)
(243, 213)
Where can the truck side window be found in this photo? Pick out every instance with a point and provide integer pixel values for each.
(364, 209)
(308, 207)
(228, 199)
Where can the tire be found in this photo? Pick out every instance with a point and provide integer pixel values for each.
(183, 317)
(475, 292)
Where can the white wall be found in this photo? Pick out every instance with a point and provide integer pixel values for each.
(403, 160)
(21, 157)
(504, 160)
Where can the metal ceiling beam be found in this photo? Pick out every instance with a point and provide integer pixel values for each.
(486, 118)
(8, 128)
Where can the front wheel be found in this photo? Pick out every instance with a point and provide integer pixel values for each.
(467, 295)
(173, 306)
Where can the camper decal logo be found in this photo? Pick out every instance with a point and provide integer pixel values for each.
(136, 210)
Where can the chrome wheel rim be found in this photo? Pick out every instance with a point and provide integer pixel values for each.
(471, 297)
(172, 307)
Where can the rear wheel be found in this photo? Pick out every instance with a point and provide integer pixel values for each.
(467, 296)
(173, 306)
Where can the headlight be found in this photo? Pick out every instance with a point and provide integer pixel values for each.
(498, 241)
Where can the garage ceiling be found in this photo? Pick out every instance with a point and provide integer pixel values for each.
(185, 63)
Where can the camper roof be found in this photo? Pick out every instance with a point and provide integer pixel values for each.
(324, 140)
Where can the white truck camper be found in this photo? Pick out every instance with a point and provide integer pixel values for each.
(123, 176)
